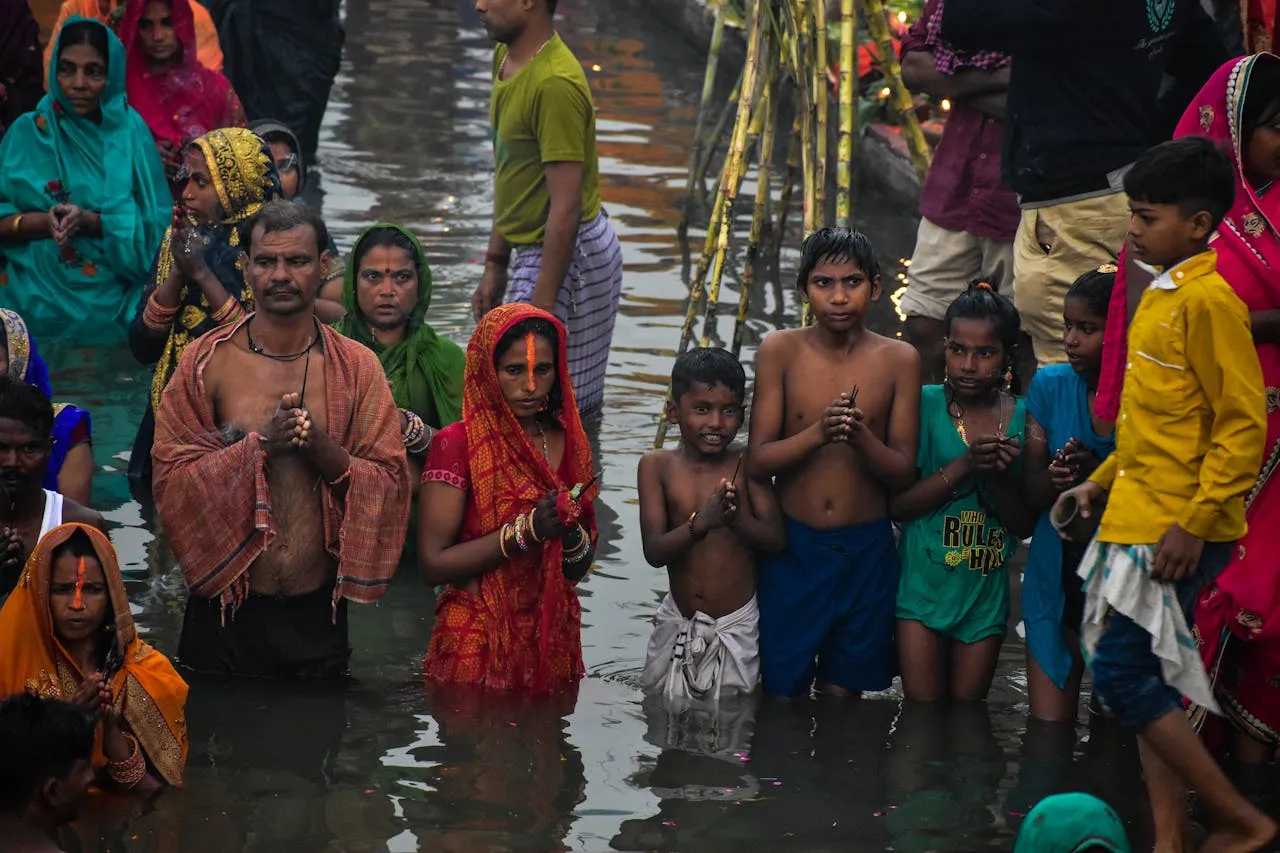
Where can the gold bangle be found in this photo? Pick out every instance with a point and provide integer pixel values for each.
(17, 222)
(533, 534)
(502, 540)
(955, 493)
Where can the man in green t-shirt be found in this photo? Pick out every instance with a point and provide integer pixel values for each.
(546, 192)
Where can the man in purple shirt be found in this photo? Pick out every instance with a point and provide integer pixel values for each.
(968, 218)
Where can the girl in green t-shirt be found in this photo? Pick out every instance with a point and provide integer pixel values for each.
(962, 521)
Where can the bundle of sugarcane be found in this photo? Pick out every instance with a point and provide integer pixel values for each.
(786, 52)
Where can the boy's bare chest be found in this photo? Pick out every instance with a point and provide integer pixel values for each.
(814, 386)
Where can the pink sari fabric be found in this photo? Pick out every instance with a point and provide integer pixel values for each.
(181, 102)
(1237, 621)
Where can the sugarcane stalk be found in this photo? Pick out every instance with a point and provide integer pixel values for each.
(702, 162)
(721, 220)
(821, 101)
(758, 216)
(848, 109)
(735, 170)
(788, 186)
(708, 88)
(900, 96)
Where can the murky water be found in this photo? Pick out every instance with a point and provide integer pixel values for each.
(386, 766)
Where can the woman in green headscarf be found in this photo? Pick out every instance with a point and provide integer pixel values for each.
(386, 292)
(83, 197)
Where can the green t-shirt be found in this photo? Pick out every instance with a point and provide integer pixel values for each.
(954, 558)
(541, 115)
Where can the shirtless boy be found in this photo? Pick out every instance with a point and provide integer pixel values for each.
(836, 420)
(702, 518)
(27, 510)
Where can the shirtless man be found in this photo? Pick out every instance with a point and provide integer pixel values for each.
(705, 521)
(835, 419)
(281, 477)
(27, 511)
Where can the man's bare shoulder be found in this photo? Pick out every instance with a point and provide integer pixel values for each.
(74, 513)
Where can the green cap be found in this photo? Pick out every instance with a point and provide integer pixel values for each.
(1072, 823)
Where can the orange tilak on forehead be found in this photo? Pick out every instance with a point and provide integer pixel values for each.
(531, 357)
(78, 601)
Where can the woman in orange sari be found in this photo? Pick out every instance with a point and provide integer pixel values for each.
(67, 632)
(506, 517)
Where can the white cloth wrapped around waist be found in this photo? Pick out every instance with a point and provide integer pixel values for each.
(701, 657)
(1118, 577)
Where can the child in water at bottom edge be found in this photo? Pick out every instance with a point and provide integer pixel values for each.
(1061, 399)
(704, 520)
(962, 521)
(834, 419)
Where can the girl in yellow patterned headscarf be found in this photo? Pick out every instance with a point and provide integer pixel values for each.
(196, 282)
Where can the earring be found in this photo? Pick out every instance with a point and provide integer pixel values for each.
(1008, 379)
(946, 378)
(546, 404)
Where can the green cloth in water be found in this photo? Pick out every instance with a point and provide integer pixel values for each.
(954, 559)
(110, 167)
(425, 370)
(1072, 823)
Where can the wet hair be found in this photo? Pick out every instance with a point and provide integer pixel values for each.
(1192, 173)
(40, 739)
(26, 404)
(546, 330)
(281, 215)
(710, 366)
(91, 33)
(981, 301)
(836, 244)
(1094, 289)
(1262, 100)
(385, 237)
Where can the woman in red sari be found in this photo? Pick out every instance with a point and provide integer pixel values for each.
(500, 520)
(179, 98)
(1238, 617)
(1259, 25)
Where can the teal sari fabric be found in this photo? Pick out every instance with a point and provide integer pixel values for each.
(50, 155)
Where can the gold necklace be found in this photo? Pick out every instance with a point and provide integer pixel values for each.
(503, 67)
(964, 436)
(546, 450)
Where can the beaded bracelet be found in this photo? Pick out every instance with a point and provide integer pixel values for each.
(520, 543)
(578, 552)
(129, 772)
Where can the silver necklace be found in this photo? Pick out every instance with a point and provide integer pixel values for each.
(503, 67)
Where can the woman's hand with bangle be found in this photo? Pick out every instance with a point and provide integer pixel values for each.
(546, 518)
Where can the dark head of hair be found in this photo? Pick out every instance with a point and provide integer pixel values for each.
(1094, 289)
(91, 33)
(551, 6)
(1262, 100)
(26, 404)
(981, 301)
(836, 244)
(546, 330)
(710, 366)
(40, 739)
(385, 237)
(281, 215)
(1192, 173)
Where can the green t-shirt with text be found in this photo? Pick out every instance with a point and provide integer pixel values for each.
(543, 114)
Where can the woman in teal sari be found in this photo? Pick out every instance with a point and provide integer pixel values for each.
(386, 293)
(83, 197)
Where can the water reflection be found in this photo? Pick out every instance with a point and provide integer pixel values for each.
(383, 765)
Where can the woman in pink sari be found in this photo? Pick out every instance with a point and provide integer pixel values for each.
(1238, 618)
(179, 98)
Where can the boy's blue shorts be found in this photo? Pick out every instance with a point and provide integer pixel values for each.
(826, 609)
(1126, 674)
